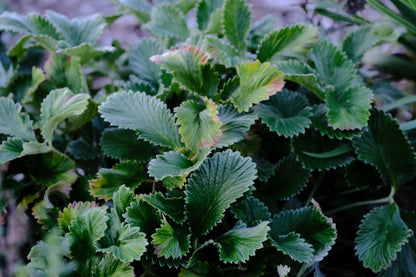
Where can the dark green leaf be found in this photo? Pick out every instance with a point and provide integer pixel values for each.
(293, 245)
(204, 10)
(109, 266)
(250, 211)
(405, 264)
(172, 207)
(65, 72)
(122, 199)
(142, 215)
(71, 211)
(85, 51)
(171, 241)
(82, 150)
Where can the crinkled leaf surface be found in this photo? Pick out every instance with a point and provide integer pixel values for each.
(172, 207)
(199, 124)
(125, 145)
(218, 182)
(258, 81)
(171, 240)
(250, 211)
(175, 164)
(13, 122)
(59, 105)
(236, 22)
(110, 266)
(293, 245)
(292, 41)
(146, 114)
(382, 234)
(383, 145)
(122, 200)
(142, 215)
(127, 173)
(287, 113)
(71, 211)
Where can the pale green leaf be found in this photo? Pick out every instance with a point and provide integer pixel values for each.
(122, 199)
(204, 10)
(257, 83)
(293, 245)
(172, 206)
(59, 105)
(238, 244)
(218, 182)
(69, 213)
(85, 51)
(236, 22)
(110, 266)
(10, 149)
(125, 145)
(14, 122)
(146, 114)
(171, 241)
(226, 53)
(382, 234)
(383, 145)
(168, 21)
(6, 76)
(287, 113)
(250, 211)
(199, 124)
(142, 215)
(176, 164)
(289, 42)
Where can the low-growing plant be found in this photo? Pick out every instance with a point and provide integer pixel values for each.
(228, 148)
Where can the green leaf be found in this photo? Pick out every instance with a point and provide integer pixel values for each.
(81, 149)
(358, 42)
(257, 83)
(7, 76)
(85, 51)
(65, 72)
(199, 124)
(223, 51)
(85, 230)
(189, 68)
(109, 181)
(343, 149)
(78, 30)
(171, 241)
(175, 164)
(238, 244)
(13, 122)
(286, 113)
(204, 11)
(293, 245)
(122, 199)
(168, 21)
(295, 229)
(10, 149)
(234, 125)
(219, 181)
(289, 178)
(142, 215)
(139, 60)
(383, 145)
(172, 207)
(405, 264)
(382, 234)
(146, 114)
(70, 212)
(59, 105)
(125, 145)
(250, 211)
(109, 266)
(302, 74)
(236, 21)
(290, 42)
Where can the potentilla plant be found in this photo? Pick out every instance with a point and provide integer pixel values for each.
(205, 150)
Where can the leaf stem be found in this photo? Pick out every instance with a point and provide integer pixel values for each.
(384, 200)
(302, 270)
(314, 188)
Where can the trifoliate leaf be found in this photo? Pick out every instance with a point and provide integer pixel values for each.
(199, 124)
(286, 113)
(358, 42)
(122, 199)
(168, 21)
(175, 164)
(109, 181)
(204, 10)
(292, 41)
(78, 30)
(257, 83)
(289, 178)
(59, 105)
(308, 146)
(172, 207)
(250, 211)
(293, 245)
(13, 122)
(349, 109)
(405, 264)
(85, 51)
(226, 53)
(236, 22)
(189, 68)
(383, 145)
(171, 241)
(298, 228)
(238, 244)
(139, 60)
(109, 266)
(234, 125)
(382, 234)
(85, 230)
(146, 114)
(218, 182)
(142, 215)
(302, 74)
(125, 145)
(71, 211)
(65, 72)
